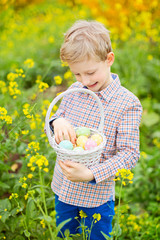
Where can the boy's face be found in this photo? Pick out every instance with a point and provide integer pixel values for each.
(94, 75)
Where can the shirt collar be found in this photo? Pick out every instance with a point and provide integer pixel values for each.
(109, 91)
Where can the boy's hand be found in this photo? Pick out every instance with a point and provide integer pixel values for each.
(63, 130)
(76, 172)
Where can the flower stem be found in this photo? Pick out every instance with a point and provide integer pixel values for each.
(45, 212)
(119, 203)
(42, 192)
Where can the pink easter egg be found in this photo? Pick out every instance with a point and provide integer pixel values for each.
(90, 144)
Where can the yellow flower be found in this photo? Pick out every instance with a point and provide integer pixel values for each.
(149, 57)
(33, 137)
(43, 86)
(97, 217)
(29, 63)
(0, 216)
(143, 154)
(68, 75)
(64, 64)
(24, 185)
(30, 175)
(3, 113)
(51, 39)
(26, 196)
(132, 217)
(12, 76)
(58, 80)
(27, 111)
(29, 165)
(55, 107)
(24, 132)
(24, 178)
(8, 119)
(82, 214)
(13, 195)
(3, 87)
(33, 169)
(124, 183)
(33, 124)
(33, 97)
(33, 146)
(13, 89)
(46, 169)
(42, 223)
(156, 142)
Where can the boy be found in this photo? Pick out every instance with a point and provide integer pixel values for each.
(87, 50)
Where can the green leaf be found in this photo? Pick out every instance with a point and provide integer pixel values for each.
(26, 233)
(61, 225)
(67, 233)
(48, 219)
(19, 237)
(156, 134)
(115, 232)
(106, 236)
(150, 119)
(4, 185)
(5, 216)
(30, 210)
(13, 223)
(3, 166)
(5, 204)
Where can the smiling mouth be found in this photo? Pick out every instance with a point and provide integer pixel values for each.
(93, 85)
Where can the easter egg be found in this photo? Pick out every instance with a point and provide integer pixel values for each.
(78, 149)
(81, 140)
(66, 144)
(83, 131)
(90, 144)
(97, 138)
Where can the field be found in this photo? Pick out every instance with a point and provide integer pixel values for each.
(31, 75)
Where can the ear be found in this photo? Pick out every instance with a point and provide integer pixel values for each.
(110, 58)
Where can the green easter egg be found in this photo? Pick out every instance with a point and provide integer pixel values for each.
(78, 149)
(83, 131)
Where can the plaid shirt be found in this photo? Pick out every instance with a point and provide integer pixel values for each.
(123, 112)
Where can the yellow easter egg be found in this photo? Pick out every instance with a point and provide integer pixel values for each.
(81, 140)
(97, 138)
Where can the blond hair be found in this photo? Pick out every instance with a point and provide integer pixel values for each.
(86, 39)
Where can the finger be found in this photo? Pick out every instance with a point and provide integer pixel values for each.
(66, 135)
(63, 166)
(56, 138)
(60, 136)
(70, 164)
(72, 135)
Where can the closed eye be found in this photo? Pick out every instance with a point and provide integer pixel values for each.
(91, 73)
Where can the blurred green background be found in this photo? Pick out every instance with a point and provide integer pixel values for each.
(31, 33)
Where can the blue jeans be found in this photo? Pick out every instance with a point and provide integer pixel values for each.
(65, 211)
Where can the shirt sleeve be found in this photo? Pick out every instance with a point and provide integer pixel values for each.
(127, 145)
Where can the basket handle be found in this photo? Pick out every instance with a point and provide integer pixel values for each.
(55, 100)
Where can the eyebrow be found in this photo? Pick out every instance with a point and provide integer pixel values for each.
(89, 70)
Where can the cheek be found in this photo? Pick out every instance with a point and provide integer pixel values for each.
(100, 76)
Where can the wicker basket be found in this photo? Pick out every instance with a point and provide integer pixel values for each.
(87, 157)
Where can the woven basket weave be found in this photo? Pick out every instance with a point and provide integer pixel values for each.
(86, 157)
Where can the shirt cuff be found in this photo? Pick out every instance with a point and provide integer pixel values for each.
(93, 182)
(50, 123)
